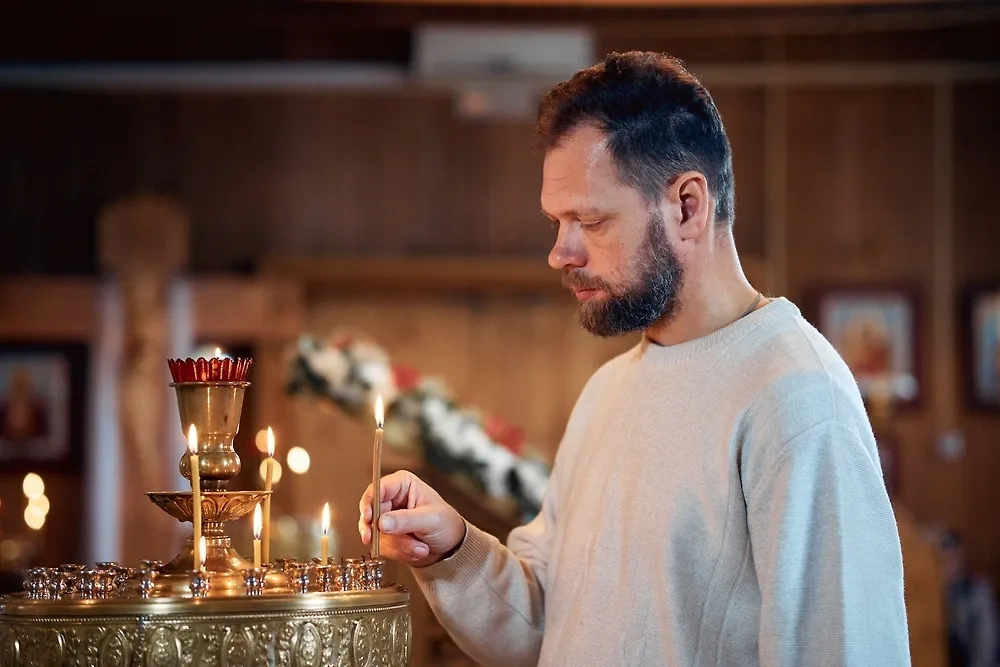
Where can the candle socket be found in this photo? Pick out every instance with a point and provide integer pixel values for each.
(301, 574)
(201, 582)
(254, 578)
(324, 577)
(354, 574)
(147, 580)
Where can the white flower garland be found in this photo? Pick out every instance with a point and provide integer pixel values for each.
(351, 371)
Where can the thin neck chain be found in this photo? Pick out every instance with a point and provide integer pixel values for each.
(752, 305)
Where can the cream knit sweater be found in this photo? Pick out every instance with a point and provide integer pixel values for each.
(717, 502)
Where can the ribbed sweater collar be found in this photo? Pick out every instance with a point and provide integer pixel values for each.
(671, 355)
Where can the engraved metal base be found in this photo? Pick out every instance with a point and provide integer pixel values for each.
(344, 629)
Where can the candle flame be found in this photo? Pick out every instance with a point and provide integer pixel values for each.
(270, 442)
(326, 518)
(258, 523)
(379, 412)
(193, 440)
(218, 353)
(201, 550)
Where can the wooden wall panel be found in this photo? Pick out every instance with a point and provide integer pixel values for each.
(743, 112)
(860, 185)
(977, 247)
(221, 166)
(309, 175)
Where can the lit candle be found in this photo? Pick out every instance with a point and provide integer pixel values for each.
(268, 477)
(377, 474)
(195, 493)
(324, 542)
(202, 551)
(256, 535)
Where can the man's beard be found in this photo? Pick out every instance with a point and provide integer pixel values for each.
(649, 298)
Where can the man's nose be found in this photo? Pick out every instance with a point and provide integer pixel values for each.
(566, 251)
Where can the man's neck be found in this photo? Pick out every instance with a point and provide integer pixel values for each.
(716, 299)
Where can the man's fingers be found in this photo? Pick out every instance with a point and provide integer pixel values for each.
(366, 511)
(399, 547)
(403, 548)
(393, 485)
(418, 520)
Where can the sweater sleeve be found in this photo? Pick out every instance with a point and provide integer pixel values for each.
(490, 597)
(827, 555)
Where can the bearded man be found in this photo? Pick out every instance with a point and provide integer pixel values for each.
(717, 498)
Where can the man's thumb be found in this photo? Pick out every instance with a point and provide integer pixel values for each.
(418, 520)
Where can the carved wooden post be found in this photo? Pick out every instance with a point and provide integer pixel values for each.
(144, 243)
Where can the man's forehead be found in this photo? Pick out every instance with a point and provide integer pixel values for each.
(583, 148)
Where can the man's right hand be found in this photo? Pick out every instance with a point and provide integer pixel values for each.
(417, 527)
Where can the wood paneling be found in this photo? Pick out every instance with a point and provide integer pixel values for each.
(47, 309)
(743, 112)
(860, 185)
(977, 247)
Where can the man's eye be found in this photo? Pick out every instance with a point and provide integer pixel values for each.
(593, 224)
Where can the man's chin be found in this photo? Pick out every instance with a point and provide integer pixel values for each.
(595, 321)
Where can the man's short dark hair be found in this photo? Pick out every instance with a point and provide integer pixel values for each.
(659, 119)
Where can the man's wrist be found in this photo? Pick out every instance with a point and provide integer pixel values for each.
(454, 550)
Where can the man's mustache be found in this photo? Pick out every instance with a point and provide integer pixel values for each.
(575, 280)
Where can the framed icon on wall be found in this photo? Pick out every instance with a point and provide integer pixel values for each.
(42, 403)
(877, 332)
(981, 345)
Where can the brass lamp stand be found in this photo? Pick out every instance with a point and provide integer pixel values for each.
(286, 613)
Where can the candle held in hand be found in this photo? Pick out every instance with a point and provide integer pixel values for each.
(325, 539)
(195, 493)
(377, 475)
(268, 480)
(257, 527)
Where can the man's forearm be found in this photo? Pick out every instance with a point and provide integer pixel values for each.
(488, 599)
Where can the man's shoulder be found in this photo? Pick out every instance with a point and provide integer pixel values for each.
(790, 355)
(799, 381)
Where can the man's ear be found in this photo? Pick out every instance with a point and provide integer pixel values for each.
(695, 204)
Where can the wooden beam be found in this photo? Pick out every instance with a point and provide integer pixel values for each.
(271, 307)
(48, 309)
(224, 308)
(246, 309)
(417, 274)
(430, 275)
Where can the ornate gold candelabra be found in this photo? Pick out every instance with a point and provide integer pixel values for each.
(228, 613)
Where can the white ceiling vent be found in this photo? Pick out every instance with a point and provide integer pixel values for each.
(498, 71)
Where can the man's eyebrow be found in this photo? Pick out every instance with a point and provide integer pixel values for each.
(585, 212)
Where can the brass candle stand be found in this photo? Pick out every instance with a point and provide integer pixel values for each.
(228, 613)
